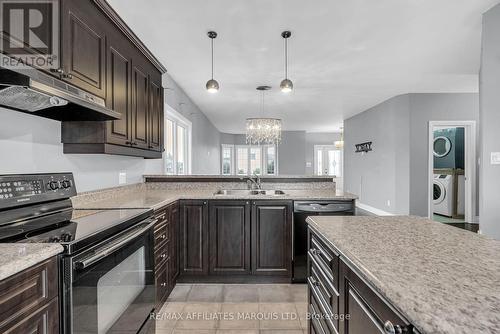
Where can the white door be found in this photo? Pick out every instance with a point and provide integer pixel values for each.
(327, 160)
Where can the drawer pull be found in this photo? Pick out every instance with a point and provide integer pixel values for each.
(316, 252)
(163, 256)
(163, 236)
(163, 284)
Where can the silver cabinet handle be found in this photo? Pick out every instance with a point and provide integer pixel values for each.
(163, 284)
(389, 328)
(163, 256)
(163, 236)
(316, 252)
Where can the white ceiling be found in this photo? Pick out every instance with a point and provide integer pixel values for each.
(345, 55)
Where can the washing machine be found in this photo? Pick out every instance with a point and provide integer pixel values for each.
(443, 194)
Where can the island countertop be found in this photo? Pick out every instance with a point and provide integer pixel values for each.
(441, 278)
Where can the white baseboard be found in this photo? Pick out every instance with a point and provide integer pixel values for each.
(373, 210)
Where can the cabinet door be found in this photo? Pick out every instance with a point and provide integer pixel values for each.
(368, 312)
(194, 238)
(140, 104)
(119, 93)
(229, 237)
(83, 45)
(271, 238)
(155, 117)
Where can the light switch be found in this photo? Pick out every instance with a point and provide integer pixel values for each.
(122, 178)
(495, 158)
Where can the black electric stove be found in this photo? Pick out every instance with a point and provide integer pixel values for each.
(107, 267)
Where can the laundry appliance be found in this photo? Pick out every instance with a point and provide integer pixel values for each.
(449, 148)
(443, 194)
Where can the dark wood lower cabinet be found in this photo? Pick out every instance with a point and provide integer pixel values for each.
(236, 241)
(29, 300)
(229, 240)
(165, 251)
(193, 236)
(272, 238)
(353, 309)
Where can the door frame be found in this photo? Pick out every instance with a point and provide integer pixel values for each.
(315, 158)
(470, 165)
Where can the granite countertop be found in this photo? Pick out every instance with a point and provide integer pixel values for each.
(145, 197)
(18, 257)
(441, 278)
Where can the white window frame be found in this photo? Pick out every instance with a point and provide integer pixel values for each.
(233, 160)
(178, 120)
(324, 148)
(263, 162)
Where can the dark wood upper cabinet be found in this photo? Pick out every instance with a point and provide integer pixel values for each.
(100, 57)
(271, 238)
(229, 237)
(194, 238)
(83, 44)
(155, 117)
(119, 97)
(140, 105)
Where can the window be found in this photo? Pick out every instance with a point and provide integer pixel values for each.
(227, 166)
(328, 160)
(249, 160)
(177, 143)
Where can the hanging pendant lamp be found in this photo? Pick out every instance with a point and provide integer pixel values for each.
(340, 143)
(286, 85)
(263, 130)
(212, 84)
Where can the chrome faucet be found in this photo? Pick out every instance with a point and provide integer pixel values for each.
(254, 183)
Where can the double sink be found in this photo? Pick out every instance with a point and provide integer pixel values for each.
(244, 192)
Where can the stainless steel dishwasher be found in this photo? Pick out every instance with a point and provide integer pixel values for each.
(302, 210)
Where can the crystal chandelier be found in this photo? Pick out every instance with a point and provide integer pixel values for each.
(263, 130)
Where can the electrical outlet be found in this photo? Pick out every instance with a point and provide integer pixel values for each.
(122, 178)
(389, 203)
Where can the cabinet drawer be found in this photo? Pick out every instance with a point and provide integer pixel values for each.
(162, 253)
(327, 260)
(28, 290)
(43, 320)
(318, 310)
(162, 284)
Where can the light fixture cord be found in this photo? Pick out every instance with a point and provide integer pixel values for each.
(286, 58)
(212, 58)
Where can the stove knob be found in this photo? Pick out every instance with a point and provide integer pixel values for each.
(66, 237)
(54, 239)
(54, 185)
(66, 184)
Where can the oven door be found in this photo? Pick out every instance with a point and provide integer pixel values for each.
(111, 288)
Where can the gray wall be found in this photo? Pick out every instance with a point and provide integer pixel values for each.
(398, 165)
(381, 175)
(425, 108)
(31, 144)
(296, 148)
(206, 137)
(489, 210)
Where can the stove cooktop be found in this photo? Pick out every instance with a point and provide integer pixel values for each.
(73, 229)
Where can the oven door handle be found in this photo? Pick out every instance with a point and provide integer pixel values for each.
(101, 252)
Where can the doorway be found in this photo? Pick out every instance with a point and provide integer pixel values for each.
(328, 160)
(452, 172)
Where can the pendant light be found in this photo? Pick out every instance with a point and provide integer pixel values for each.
(212, 84)
(263, 130)
(286, 85)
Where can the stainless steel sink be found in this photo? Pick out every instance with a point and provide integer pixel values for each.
(243, 192)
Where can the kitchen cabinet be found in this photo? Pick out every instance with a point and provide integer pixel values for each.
(193, 236)
(83, 49)
(30, 300)
(229, 241)
(339, 299)
(271, 238)
(165, 252)
(100, 57)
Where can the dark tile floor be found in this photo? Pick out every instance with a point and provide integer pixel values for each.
(234, 308)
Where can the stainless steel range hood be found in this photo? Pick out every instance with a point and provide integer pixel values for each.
(32, 91)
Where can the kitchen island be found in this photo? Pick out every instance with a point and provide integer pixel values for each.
(436, 278)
